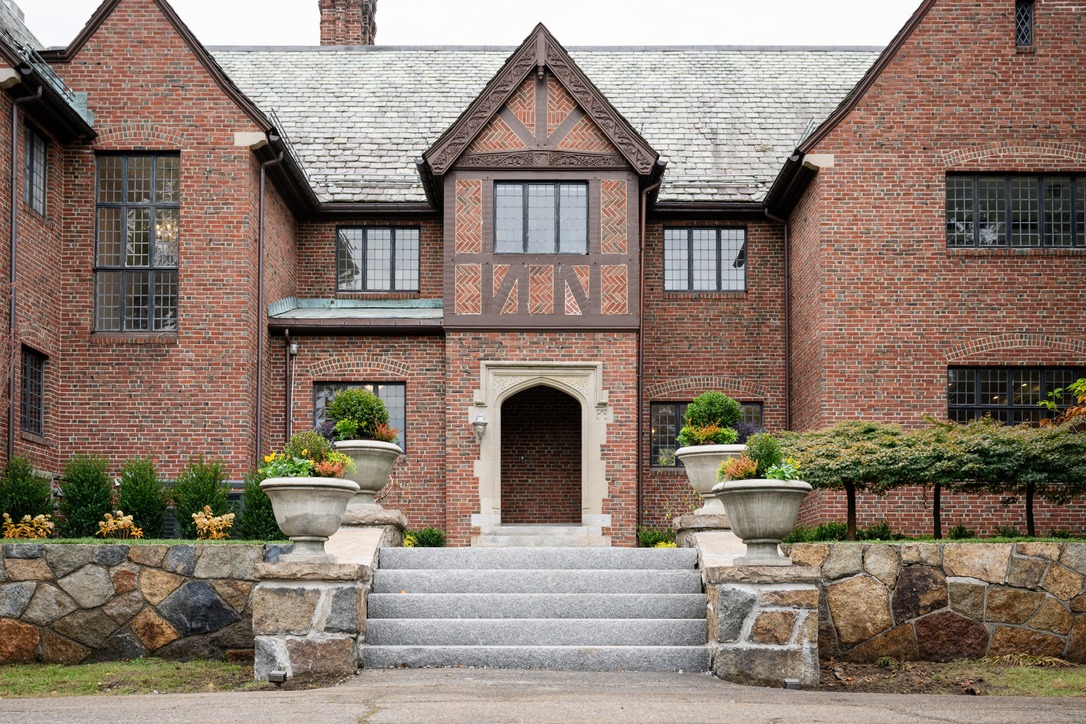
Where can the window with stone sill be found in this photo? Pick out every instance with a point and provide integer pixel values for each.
(377, 259)
(1016, 210)
(541, 218)
(393, 394)
(698, 259)
(35, 157)
(666, 419)
(1011, 395)
(137, 237)
(1023, 24)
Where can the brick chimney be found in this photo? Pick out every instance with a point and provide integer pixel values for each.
(348, 22)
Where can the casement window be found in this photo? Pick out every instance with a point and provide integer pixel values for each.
(35, 154)
(666, 419)
(393, 394)
(990, 210)
(1009, 394)
(705, 260)
(1023, 23)
(137, 234)
(32, 392)
(541, 218)
(377, 260)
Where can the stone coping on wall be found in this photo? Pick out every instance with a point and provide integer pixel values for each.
(944, 601)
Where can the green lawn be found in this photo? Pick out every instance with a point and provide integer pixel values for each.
(142, 676)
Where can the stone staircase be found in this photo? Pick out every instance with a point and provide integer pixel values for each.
(582, 609)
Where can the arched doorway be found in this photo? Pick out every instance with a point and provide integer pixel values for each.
(541, 462)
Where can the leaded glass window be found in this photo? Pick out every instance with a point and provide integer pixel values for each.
(377, 260)
(393, 394)
(989, 210)
(35, 156)
(1023, 23)
(137, 237)
(541, 218)
(32, 397)
(705, 260)
(1011, 395)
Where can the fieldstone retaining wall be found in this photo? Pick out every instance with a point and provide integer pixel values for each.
(71, 603)
(945, 601)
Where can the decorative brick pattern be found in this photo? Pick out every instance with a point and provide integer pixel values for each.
(614, 292)
(497, 136)
(522, 104)
(584, 276)
(586, 136)
(499, 272)
(613, 222)
(540, 289)
(572, 308)
(1015, 149)
(469, 216)
(511, 305)
(469, 289)
(559, 104)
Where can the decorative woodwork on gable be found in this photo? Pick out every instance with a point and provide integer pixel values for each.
(540, 59)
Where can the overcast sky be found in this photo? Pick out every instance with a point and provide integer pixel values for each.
(507, 22)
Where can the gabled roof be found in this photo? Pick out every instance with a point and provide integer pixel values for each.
(12, 26)
(538, 51)
(724, 118)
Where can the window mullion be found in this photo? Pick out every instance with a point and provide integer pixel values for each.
(1008, 234)
(557, 217)
(719, 261)
(364, 260)
(524, 221)
(1041, 211)
(689, 260)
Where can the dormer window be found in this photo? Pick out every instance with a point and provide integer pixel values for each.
(541, 218)
(1023, 24)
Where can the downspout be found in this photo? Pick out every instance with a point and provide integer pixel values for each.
(13, 258)
(641, 348)
(261, 327)
(787, 322)
(289, 350)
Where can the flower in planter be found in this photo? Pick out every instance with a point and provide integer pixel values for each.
(710, 420)
(307, 455)
(740, 468)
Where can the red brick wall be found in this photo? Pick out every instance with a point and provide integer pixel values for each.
(419, 363)
(896, 305)
(172, 395)
(701, 341)
(541, 457)
(464, 353)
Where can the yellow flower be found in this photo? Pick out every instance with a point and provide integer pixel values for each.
(269, 458)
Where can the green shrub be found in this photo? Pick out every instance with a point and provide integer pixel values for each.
(22, 492)
(357, 414)
(822, 532)
(429, 538)
(652, 537)
(713, 408)
(256, 521)
(876, 531)
(764, 449)
(143, 496)
(307, 444)
(960, 532)
(201, 483)
(1008, 531)
(1062, 533)
(86, 496)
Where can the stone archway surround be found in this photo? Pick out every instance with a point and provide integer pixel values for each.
(581, 380)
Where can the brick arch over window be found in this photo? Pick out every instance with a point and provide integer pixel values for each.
(355, 366)
(127, 135)
(1039, 152)
(731, 386)
(1018, 341)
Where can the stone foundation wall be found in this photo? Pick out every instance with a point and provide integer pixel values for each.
(71, 603)
(945, 601)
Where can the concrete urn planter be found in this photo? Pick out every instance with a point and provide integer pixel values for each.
(701, 463)
(309, 511)
(373, 461)
(762, 512)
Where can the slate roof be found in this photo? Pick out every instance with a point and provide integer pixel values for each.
(724, 118)
(12, 26)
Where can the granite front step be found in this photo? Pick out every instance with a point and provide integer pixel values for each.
(538, 558)
(535, 632)
(536, 581)
(552, 658)
(536, 605)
